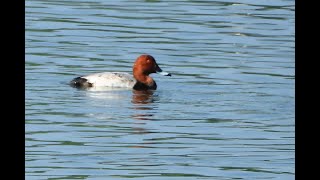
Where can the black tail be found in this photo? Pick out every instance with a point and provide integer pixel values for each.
(80, 82)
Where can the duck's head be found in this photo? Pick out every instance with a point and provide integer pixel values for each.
(145, 64)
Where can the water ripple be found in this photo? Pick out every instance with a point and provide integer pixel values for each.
(226, 113)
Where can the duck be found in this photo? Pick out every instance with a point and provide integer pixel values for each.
(144, 65)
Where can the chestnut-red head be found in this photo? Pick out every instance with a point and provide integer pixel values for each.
(145, 65)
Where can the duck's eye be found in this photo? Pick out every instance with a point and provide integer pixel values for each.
(148, 60)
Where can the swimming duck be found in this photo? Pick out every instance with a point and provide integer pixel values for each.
(144, 65)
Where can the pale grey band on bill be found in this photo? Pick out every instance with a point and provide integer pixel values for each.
(164, 73)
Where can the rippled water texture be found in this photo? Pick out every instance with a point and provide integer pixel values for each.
(226, 113)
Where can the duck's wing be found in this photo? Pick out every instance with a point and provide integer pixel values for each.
(110, 79)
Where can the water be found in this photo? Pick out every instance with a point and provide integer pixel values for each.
(226, 113)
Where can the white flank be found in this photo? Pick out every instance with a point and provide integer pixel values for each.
(111, 79)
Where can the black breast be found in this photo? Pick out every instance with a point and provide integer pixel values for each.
(142, 86)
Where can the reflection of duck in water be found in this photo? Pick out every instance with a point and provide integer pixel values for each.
(140, 99)
(143, 66)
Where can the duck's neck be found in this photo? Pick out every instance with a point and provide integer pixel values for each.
(144, 82)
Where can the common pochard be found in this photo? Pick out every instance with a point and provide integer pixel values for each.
(144, 65)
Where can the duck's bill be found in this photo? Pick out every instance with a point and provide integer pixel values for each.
(159, 71)
(164, 73)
